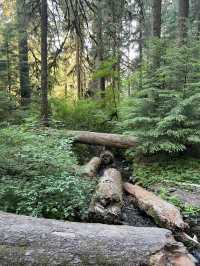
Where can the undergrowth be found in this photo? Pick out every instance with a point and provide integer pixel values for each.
(171, 173)
(174, 171)
(39, 175)
(82, 115)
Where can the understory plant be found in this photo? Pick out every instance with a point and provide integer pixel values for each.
(166, 176)
(82, 115)
(39, 175)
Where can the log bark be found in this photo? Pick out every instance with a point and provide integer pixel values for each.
(107, 200)
(164, 214)
(92, 167)
(31, 241)
(104, 139)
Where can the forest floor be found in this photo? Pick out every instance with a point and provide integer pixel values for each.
(176, 181)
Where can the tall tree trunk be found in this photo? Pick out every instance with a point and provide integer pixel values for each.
(100, 45)
(25, 90)
(78, 65)
(97, 52)
(183, 20)
(195, 8)
(157, 4)
(44, 61)
(8, 67)
(141, 25)
(156, 30)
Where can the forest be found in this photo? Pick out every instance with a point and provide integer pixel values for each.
(100, 132)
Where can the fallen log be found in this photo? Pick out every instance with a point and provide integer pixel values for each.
(104, 139)
(164, 214)
(31, 241)
(92, 167)
(107, 200)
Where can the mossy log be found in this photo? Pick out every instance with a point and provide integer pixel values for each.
(104, 139)
(107, 200)
(164, 214)
(31, 241)
(92, 167)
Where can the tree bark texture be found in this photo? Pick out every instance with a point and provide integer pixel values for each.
(164, 214)
(183, 19)
(156, 10)
(107, 200)
(31, 241)
(92, 167)
(78, 65)
(44, 61)
(104, 139)
(157, 4)
(25, 89)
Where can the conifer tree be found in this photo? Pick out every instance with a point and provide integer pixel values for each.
(22, 22)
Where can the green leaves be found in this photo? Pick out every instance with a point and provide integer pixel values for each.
(38, 175)
(178, 170)
(84, 115)
(165, 113)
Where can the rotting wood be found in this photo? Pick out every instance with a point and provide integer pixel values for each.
(107, 200)
(164, 214)
(32, 241)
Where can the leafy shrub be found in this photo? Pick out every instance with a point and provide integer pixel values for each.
(7, 106)
(165, 112)
(82, 115)
(38, 175)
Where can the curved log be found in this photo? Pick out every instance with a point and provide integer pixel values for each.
(30, 241)
(104, 139)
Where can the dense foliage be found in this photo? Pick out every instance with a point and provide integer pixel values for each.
(82, 115)
(39, 175)
(165, 112)
(7, 108)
